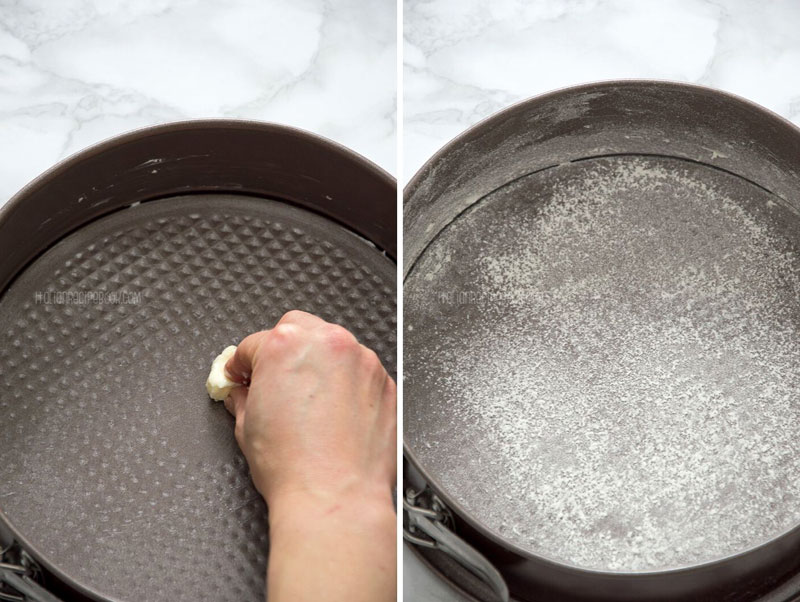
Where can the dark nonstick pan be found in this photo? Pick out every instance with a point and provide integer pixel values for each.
(602, 349)
(124, 271)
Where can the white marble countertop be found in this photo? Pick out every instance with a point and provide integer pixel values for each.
(466, 59)
(74, 72)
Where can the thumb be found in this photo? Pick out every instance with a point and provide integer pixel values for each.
(235, 401)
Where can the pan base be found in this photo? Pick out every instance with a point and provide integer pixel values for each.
(612, 346)
(117, 469)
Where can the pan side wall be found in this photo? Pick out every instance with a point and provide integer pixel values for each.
(218, 156)
(655, 118)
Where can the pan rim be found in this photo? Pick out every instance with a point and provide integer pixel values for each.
(410, 188)
(15, 202)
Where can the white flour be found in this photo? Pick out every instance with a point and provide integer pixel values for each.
(620, 390)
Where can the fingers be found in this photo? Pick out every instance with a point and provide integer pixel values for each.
(372, 366)
(390, 399)
(234, 402)
(240, 366)
(390, 390)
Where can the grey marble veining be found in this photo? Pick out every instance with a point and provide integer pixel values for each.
(75, 72)
(464, 60)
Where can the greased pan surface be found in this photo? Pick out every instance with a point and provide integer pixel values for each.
(602, 353)
(118, 472)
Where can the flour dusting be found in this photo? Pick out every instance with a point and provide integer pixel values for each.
(603, 366)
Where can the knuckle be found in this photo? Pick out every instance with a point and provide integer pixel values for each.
(281, 341)
(338, 337)
(284, 334)
(371, 360)
(292, 315)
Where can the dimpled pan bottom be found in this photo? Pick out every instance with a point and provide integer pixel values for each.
(613, 349)
(116, 467)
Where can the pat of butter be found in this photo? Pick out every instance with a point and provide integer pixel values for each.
(218, 384)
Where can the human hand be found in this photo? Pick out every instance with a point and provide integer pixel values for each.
(319, 415)
(317, 424)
